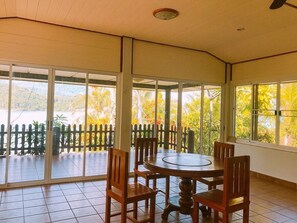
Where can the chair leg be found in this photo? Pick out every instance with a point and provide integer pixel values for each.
(246, 215)
(135, 178)
(147, 183)
(216, 216)
(209, 209)
(194, 186)
(107, 209)
(135, 210)
(167, 190)
(124, 212)
(152, 208)
(195, 213)
(225, 217)
(154, 183)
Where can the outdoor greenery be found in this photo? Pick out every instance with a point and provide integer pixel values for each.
(257, 113)
(143, 112)
(258, 109)
(288, 104)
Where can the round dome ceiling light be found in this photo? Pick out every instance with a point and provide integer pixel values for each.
(165, 13)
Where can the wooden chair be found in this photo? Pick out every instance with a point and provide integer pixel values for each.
(143, 148)
(221, 151)
(119, 189)
(235, 194)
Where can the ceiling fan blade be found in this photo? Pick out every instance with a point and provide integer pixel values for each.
(292, 6)
(277, 4)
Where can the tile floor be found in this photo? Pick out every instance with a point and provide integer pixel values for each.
(85, 202)
(31, 167)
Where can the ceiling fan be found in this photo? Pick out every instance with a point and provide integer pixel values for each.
(279, 3)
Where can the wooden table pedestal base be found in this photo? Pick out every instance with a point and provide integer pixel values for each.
(182, 202)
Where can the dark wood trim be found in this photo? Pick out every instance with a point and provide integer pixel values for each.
(132, 60)
(121, 55)
(266, 57)
(231, 72)
(64, 26)
(281, 182)
(10, 17)
(226, 72)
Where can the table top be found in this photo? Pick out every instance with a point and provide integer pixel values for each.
(184, 165)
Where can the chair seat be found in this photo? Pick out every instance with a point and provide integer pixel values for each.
(136, 191)
(214, 199)
(211, 181)
(148, 174)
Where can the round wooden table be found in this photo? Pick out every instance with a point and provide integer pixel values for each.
(186, 166)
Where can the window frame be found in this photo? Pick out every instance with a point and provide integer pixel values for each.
(278, 116)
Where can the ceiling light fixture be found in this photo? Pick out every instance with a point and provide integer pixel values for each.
(165, 13)
(240, 29)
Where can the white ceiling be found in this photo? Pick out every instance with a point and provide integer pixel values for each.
(203, 25)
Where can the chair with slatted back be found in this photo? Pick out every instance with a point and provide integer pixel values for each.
(235, 195)
(143, 148)
(221, 151)
(123, 192)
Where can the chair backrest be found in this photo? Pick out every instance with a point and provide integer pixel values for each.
(223, 150)
(117, 170)
(144, 147)
(236, 178)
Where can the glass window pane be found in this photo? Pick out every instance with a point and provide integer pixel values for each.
(264, 116)
(143, 108)
(191, 112)
(101, 111)
(243, 111)
(288, 118)
(28, 117)
(69, 124)
(167, 108)
(211, 117)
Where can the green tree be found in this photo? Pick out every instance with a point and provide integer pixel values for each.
(288, 119)
(243, 111)
(101, 105)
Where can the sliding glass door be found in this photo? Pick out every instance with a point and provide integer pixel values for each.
(185, 117)
(83, 125)
(4, 89)
(100, 121)
(27, 119)
(155, 111)
(54, 124)
(68, 124)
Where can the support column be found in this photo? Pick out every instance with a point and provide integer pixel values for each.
(124, 98)
(167, 118)
(227, 106)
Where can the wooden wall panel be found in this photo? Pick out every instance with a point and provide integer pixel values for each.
(283, 67)
(50, 45)
(158, 60)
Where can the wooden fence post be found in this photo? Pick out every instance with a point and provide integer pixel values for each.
(2, 135)
(191, 141)
(56, 140)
